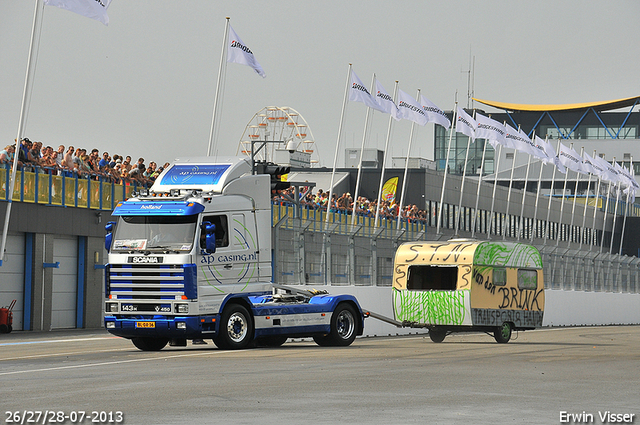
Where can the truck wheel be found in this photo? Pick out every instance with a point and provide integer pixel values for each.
(236, 328)
(150, 344)
(437, 335)
(503, 333)
(343, 326)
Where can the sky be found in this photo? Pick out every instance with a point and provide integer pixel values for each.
(145, 84)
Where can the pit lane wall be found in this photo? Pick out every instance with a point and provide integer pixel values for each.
(563, 308)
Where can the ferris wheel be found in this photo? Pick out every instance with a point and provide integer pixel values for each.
(284, 128)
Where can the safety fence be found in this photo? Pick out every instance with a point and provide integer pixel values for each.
(63, 188)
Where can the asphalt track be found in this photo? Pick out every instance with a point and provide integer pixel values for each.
(468, 378)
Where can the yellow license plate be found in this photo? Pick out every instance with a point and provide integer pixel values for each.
(145, 324)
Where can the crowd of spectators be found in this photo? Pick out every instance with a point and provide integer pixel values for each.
(344, 204)
(70, 161)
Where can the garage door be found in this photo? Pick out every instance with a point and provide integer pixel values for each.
(12, 277)
(65, 283)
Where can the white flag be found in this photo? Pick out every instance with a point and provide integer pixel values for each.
(433, 113)
(551, 153)
(238, 52)
(386, 103)
(359, 93)
(592, 166)
(626, 176)
(519, 141)
(94, 9)
(410, 109)
(571, 159)
(490, 130)
(542, 150)
(609, 172)
(465, 124)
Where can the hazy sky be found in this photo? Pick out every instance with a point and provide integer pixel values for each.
(145, 84)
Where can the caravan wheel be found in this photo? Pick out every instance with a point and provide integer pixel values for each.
(503, 333)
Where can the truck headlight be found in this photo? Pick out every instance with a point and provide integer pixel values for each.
(111, 325)
(181, 325)
(112, 307)
(182, 308)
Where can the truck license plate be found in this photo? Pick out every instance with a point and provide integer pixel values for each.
(145, 324)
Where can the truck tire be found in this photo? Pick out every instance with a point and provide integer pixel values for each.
(150, 344)
(343, 328)
(236, 328)
(437, 335)
(502, 334)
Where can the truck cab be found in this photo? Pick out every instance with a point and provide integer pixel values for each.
(191, 258)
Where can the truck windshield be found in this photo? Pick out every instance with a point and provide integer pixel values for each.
(155, 233)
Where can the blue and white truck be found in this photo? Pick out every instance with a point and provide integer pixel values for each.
(191, 258)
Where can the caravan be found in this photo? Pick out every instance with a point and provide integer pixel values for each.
(468, 285)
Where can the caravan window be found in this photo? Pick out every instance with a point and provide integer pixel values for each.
(432, 278)
(527, 279)
(499, 276)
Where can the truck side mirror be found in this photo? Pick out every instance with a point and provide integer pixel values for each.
(109, 236)
(207, 231)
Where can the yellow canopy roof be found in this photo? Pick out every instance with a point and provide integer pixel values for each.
(598, 106)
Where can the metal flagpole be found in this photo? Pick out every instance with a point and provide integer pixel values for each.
(406, 168)
(507, 220)
(219, 87)
(575, 196)
(564, 189)
(593, 239)
(364, 138)
(584, 213)
(615, 215)
(606, 210)
(493, 196)
(446, 168)
(524, 193)
(480, 171)
(535, 208)
(22, 122)
(547, 227)
(335, 156)
(384, 161)
(624, 221)
(464, 175)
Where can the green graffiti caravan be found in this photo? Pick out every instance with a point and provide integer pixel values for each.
(468, 285)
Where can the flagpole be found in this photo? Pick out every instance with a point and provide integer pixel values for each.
(615, 214)
(475, 210)
(26, 93)
(406, 168)
(626, 209)
(547, 227)
(593, 239)
(446, 167)
(604, 222)
(493, 196)
(364, 138)
(575, 196)
(584, 213)
(535, 208)
(564, 189)
(504, 224)
(464, 175)
(384, 161)
(335, 156)
(524, 193)
(219, 86)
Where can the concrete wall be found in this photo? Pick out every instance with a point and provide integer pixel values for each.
(562, 308)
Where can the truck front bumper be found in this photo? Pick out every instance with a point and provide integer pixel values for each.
(163, 326)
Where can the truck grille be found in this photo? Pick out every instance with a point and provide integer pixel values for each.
(151, 281)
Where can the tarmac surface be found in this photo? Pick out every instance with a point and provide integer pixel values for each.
(541, 377)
